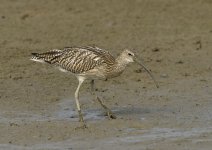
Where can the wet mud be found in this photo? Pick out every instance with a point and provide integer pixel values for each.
(173, 38)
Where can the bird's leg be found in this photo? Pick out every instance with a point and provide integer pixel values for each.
(81, 79)
(108, 111)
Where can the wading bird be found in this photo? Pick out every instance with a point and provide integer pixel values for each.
(89, 62)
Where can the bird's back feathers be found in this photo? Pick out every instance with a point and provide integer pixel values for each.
(76, 59)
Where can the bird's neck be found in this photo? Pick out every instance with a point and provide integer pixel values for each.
(120, 64)
(117, 68)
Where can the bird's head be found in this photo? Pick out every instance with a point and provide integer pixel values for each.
(128, 56)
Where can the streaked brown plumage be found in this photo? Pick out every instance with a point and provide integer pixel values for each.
(88, 63)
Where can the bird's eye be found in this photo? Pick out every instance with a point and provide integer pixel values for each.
(129, 54)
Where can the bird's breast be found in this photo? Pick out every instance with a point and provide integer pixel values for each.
(114, 71)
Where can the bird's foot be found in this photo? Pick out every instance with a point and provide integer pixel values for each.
(81, 120)
(110, 114)
(108, 111)
(82, 126)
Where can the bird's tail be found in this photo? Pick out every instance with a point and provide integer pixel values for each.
(48, 57)
(38, 57)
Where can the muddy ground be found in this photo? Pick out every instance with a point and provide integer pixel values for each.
(174, 38)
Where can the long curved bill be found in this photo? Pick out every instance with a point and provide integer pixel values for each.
(147, 70)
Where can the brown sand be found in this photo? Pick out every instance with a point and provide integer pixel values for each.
(37, 108)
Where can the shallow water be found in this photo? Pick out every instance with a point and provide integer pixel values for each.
(66, 111)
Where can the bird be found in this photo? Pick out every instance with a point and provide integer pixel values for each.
(89, 62)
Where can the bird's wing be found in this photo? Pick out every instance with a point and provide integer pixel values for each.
(105, 55)
(82, 59)
(76, 59)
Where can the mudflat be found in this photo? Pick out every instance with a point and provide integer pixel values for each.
(173, 38)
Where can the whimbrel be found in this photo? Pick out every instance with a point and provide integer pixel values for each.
(89, 63)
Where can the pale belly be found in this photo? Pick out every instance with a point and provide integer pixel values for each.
(102, 75)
